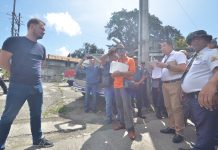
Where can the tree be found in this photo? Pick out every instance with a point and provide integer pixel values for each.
(86, 50)
(124, 26)
(181, 44)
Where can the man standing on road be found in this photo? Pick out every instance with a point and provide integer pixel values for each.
(107, 83)
(122, 98)
(22, 57)
(173, 65)
(92, 82)
(137, 88)
(201, 77)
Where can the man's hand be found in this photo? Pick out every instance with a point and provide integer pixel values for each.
(112, 50)
(207, 98)
(161, 65)
(117, 73)
(120, 46)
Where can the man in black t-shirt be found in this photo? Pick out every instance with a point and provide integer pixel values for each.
(22, 57)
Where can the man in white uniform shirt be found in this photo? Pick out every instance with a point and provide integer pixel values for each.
(173, 65)
(202, 70)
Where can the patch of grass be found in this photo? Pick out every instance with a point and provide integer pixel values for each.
(56, 108)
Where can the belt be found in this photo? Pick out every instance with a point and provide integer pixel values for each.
(192, 94)
(157, 79)
(170, 81)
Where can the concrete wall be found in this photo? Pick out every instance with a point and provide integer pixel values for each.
(53, 70)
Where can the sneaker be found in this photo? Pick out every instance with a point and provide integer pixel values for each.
(177, 138)
(44, 143)
(168, 131)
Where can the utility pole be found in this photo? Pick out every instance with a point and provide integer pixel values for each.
(143, 44)
(15, 22)
(143, 50)
(13, 18)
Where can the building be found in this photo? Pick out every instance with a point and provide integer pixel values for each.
(54, 67)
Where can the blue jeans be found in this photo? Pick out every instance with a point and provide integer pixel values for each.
(109, 99)
(16, 97)
(206, 124)
(91, 89)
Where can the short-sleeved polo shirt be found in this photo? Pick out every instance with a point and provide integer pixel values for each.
(173, 58)
(200, 71)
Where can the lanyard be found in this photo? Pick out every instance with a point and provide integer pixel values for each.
(189, 66)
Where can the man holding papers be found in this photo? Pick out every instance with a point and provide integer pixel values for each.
(123, 102)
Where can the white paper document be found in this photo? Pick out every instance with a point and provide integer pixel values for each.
(118, 66)
(156, 73)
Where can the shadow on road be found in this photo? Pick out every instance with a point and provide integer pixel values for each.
(99, 136)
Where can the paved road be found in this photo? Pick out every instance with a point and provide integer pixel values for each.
(64, 108)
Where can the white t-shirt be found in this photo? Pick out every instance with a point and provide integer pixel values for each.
(174, 58)
(200, 71)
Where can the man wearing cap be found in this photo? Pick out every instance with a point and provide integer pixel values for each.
(201, 72)
(122, 98)
(173, 65)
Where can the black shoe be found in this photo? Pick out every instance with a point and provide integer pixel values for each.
(168, 131)
(158, 115)
(141, 116)
(165, 115)
(177, 138)
(44, 143)
(184, 149)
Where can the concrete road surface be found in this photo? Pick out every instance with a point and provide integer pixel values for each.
(65, 123)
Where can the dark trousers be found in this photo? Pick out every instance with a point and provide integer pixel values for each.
(136, 94)
(206, 123)
(3, 85)
(158, 100)
(143, 91)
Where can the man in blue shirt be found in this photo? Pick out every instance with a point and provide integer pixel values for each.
(92, 81)
(22, 57)
(137, 89)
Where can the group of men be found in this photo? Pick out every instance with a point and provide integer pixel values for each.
(196, 79)
(181, 83)
(114, 87)
(191, 84)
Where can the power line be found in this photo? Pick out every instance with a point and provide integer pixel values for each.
(187, 14)
(15, 22)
